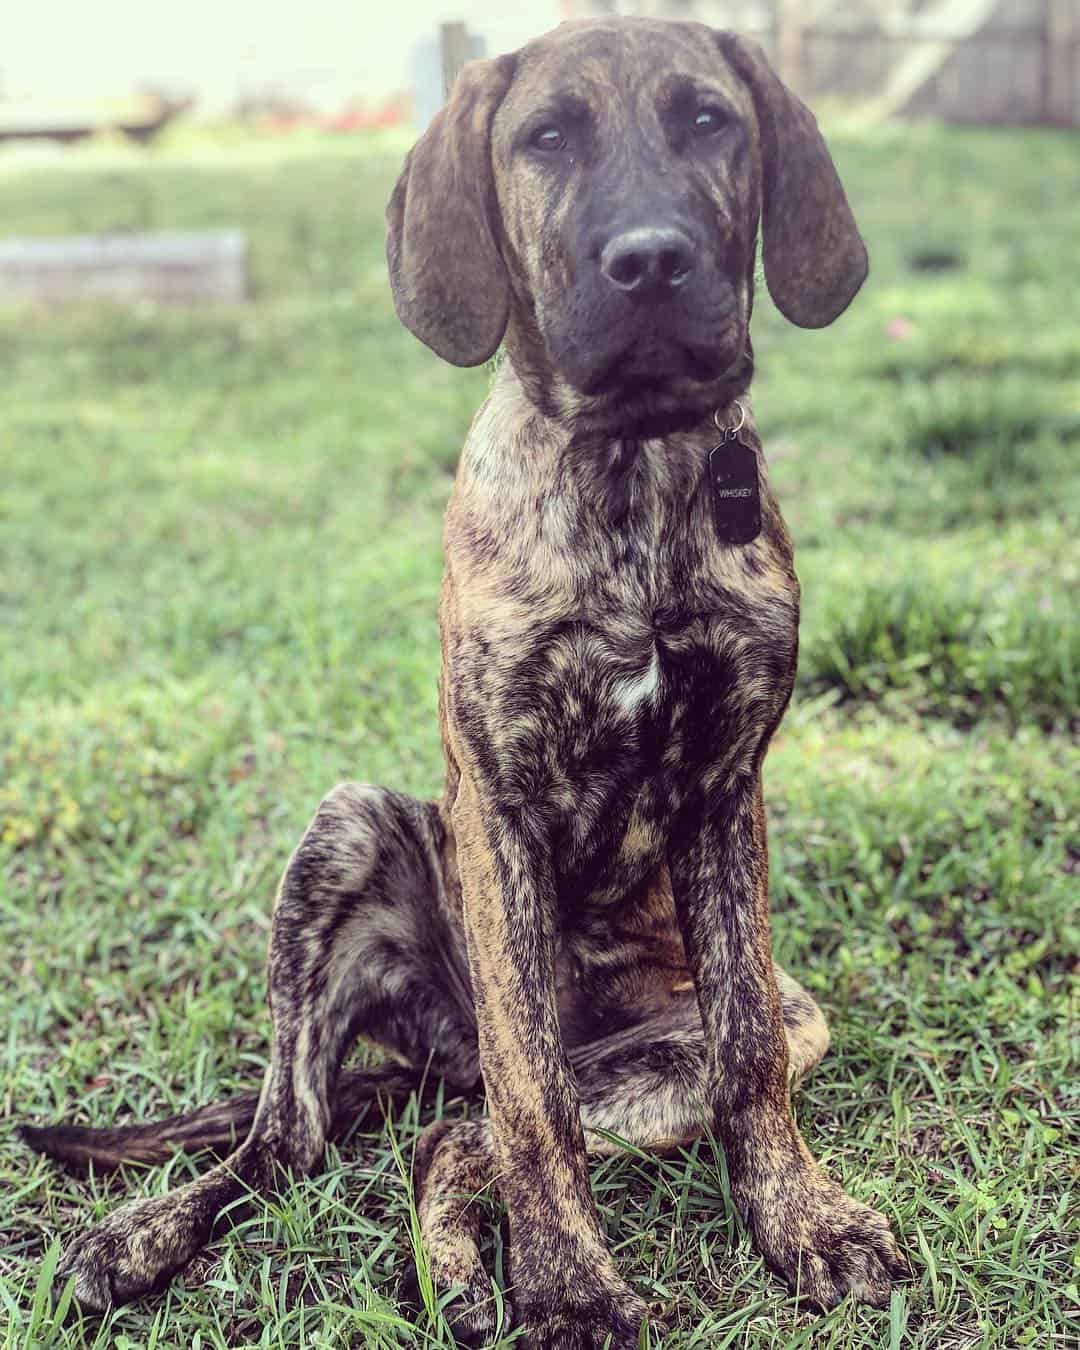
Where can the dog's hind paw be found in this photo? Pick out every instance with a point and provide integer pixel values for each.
(135, 1251)
(472, 1311)
(475, 1319)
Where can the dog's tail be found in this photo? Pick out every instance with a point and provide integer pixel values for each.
(219, 1128)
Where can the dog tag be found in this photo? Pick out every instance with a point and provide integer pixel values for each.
(733, 478)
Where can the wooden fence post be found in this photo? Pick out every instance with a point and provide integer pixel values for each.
(789, 42)
(456, 49)
(1058, 66)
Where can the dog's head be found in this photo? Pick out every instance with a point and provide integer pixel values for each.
(595, 198)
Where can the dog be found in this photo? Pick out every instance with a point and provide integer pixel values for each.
(581, 924)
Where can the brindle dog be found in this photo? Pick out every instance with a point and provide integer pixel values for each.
(583, 920)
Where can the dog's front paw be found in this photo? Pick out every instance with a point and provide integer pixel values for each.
(133, 1252)
(612, 1321)
(822, 1242)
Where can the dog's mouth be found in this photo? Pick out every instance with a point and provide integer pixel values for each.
(646, 370)
(674, 348)
(654, 366)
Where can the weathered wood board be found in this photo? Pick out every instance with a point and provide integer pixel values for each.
(168, 268)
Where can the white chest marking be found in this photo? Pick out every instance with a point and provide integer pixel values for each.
(634, 689)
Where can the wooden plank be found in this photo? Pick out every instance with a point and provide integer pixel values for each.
(169, 268)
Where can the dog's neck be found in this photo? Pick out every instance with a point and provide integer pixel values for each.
(517, 453)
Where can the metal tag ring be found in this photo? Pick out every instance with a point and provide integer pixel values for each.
(738, 426)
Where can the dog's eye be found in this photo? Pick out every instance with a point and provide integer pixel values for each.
(708, 121)
(547, 138)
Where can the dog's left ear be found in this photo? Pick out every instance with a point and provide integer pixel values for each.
(450, 284)
(815, 260)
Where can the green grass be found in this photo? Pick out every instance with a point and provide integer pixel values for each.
(219, 562)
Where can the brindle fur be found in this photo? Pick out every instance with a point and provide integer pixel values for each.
(583, 920)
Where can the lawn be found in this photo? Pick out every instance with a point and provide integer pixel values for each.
(219, 563)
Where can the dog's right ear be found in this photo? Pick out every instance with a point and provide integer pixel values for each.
(450, 284)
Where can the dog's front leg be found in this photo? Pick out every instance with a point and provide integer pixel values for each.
(823, 1242)
(565, 1286)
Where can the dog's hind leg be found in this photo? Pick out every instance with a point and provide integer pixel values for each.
(453, 1166)
(805, 1028)
(644, 1084)
(362, 944)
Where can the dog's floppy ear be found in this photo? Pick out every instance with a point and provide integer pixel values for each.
(450, 285)
(815, 260)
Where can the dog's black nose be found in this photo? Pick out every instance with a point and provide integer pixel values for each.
(648, 259)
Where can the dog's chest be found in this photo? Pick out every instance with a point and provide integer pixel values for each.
(604, 718)
(602, 671)
(636, 726)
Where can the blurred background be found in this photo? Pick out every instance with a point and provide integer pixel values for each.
(1002, 61)
(223, 467)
